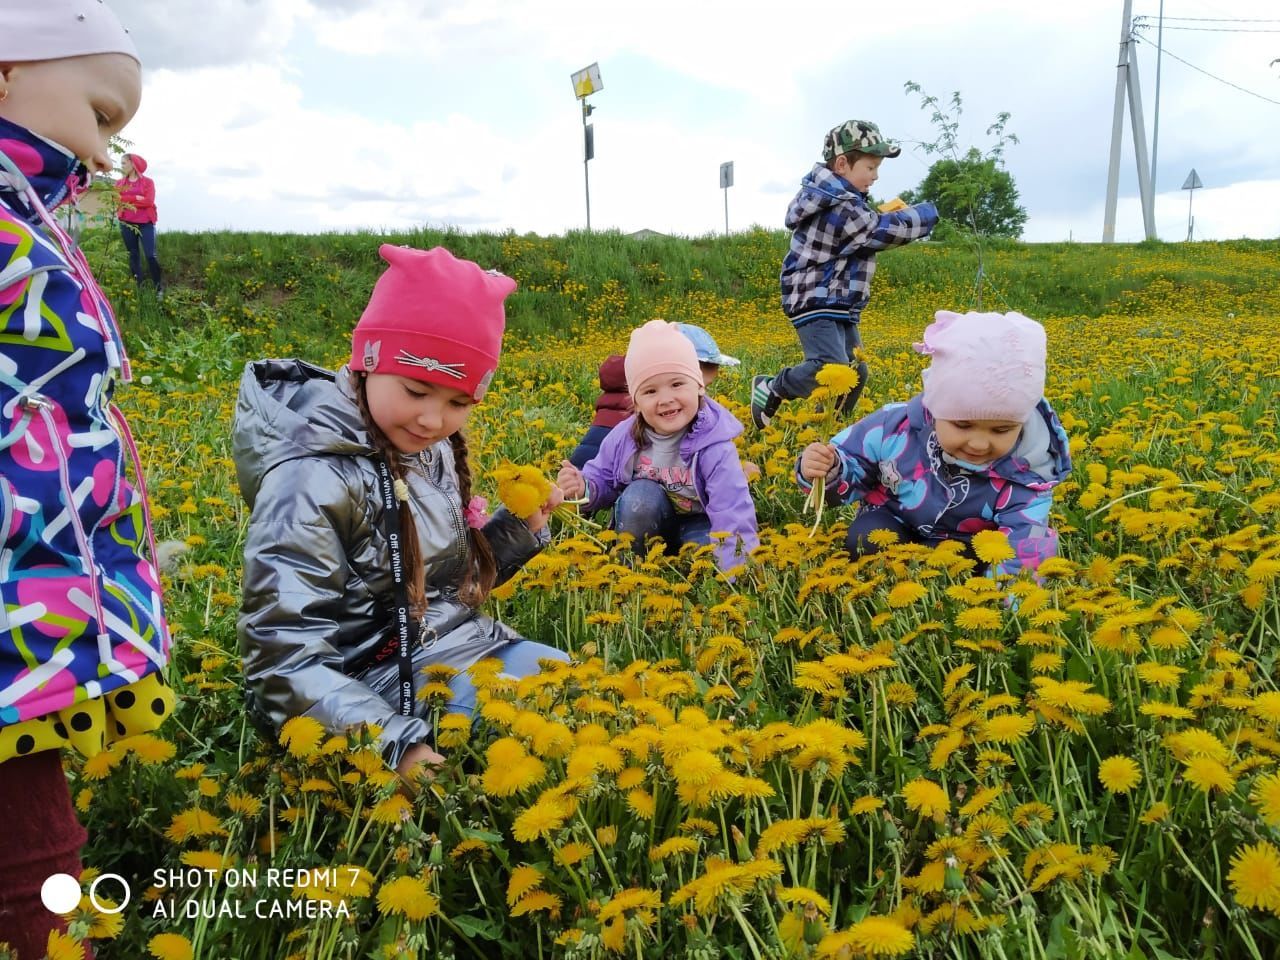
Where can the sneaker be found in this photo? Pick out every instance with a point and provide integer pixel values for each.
(764, 402)
(160, 294)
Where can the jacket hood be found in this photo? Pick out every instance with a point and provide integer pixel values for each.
(288, 409)
(139, 164)
(1041, 455)
(613, 376)
(712, 425)
(819, 190)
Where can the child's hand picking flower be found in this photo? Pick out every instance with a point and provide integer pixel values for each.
(570, 481)
(817, 460)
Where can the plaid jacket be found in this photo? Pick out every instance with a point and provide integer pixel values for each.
(834, 242)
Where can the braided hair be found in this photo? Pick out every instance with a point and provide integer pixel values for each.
(482, 571)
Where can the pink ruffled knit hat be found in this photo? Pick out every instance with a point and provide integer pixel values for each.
(53, 29)
(659, 347)
(983, 366)
(435, 318)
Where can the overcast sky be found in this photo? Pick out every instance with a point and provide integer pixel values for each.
(307, 115)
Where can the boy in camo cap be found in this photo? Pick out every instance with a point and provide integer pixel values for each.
(826, 275)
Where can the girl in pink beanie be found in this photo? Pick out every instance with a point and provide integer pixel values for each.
(671, 469)
(367, 557)
(979, 449)
(84, 644)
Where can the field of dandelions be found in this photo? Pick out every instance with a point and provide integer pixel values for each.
(818, 759)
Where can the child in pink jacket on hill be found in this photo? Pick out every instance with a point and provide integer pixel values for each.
(137, 216)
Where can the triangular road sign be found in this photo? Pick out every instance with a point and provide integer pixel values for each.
(1193, 181)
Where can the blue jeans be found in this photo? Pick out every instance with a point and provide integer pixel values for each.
(870, 519)
(644, 510)
(519, 660)
(824, 340)
(140, 239)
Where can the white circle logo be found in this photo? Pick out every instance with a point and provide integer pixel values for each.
(60, 893)
(93, 892)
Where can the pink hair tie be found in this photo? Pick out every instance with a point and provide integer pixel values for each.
(476, 513)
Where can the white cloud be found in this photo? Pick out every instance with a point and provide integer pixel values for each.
(247, 130)
(187, 34)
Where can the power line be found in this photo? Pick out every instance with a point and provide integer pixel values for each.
(1212, 19)
(1214, 76)
(1214, 29)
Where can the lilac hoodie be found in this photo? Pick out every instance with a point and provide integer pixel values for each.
(717, 477)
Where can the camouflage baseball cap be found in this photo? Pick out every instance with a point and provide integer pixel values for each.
(861, 135)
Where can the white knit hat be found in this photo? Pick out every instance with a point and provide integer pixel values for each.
(984, 366)
(54, 29)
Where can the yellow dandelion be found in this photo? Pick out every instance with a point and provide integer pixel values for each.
(1155, 813)
(839, 378)
(542, 819)
(873, 937)
(1119, 774)
(301, 735)
(1255, 876)
(61, 946)
(1206, 774)
(673, 847)
(538, 901)
(1165, 711)
(1160, 674)
(524, 878)
(1046, 662)
(981, 800)
(992, 546)
(906, 593)
(1266, 707)
(1266, 797)
(805, 898)
(927, 798)
(170, 946)
(409, 897)
(1006, 727)
(978, 618)
(394, 809)
(642, 803)
(865, 805)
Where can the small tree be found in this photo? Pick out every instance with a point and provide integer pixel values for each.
(971, 188)
(973, 193)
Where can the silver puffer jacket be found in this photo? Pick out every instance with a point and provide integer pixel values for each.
(318, 590)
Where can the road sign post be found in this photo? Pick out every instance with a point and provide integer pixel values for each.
(726, 181)
(1190, 184)
(586, 82)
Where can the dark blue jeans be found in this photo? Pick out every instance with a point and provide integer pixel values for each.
(644, 510)
(824, 340)
(140, 239)
(870, 519)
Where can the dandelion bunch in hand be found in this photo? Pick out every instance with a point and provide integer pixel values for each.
(522, 489)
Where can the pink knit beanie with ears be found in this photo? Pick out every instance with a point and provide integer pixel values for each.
(435, 318)
(659, 347)
(983, 366)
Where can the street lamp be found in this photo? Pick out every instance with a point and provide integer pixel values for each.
(586, 82)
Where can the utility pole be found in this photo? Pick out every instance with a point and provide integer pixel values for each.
(1155, 129)
(1127, 83)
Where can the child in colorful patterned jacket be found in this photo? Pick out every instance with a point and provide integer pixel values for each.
(979, 449)
(671, 469)
(826, 274)
(83, 639)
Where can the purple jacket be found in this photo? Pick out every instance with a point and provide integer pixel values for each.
(717, 477)
(892, 459)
